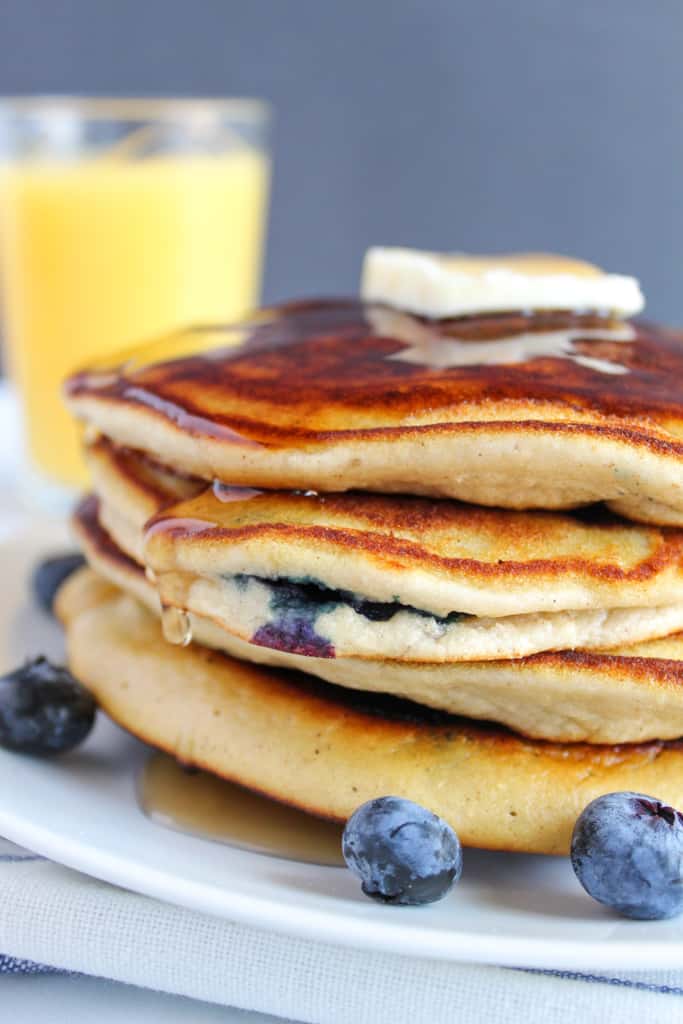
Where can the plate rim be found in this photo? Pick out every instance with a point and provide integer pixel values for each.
(320, 925)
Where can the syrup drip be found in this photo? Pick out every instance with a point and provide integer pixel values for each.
(176, 627)
(178, 524)
(206, 806)
(227, 493)
(186, 421)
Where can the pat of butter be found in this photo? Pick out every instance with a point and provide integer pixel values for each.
(447, 285)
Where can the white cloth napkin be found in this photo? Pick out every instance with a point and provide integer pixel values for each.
(56, 917)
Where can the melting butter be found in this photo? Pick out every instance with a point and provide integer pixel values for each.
(426, 346)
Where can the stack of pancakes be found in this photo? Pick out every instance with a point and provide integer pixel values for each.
(388, 546)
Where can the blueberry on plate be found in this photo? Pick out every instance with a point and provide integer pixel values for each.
(627, 852)
(401, 852)
(43, 710)
(49, 575)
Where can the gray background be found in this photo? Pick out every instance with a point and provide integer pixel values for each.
(485, 125)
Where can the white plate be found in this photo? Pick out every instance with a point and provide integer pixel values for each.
(81, 810)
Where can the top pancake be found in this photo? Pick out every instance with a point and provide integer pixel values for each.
(548, 411)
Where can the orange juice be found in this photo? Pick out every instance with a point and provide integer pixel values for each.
(99, 254)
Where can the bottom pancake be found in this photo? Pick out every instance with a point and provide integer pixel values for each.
(327, 749)
(630, 695)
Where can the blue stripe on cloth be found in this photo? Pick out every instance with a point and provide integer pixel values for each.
(10, 965)
(18, 858)
(641, 986)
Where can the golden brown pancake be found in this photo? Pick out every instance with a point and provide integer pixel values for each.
(438, 556)
(549, 410)
(394, 577)
(326, 750)
(106, 556)
(132, 488)
(628, 695)
(412, 579)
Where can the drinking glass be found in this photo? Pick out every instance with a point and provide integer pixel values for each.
(120, 220)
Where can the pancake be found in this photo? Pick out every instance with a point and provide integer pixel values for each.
(105, 555)
(132, 489)
(629, 695)
(326, 750)
(393, 577)
(550, 410)
(413, 579)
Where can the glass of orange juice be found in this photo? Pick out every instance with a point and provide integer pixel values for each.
(119, 220)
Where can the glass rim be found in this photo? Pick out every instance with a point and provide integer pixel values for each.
(136, 108)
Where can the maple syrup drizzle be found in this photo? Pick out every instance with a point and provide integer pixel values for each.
(203, 805)
(176, 627)
(227, 493)
(309, 372)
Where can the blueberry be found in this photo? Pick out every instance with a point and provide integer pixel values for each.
(49, 575)
(401, 852)
(43, 710)
(627, 852)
